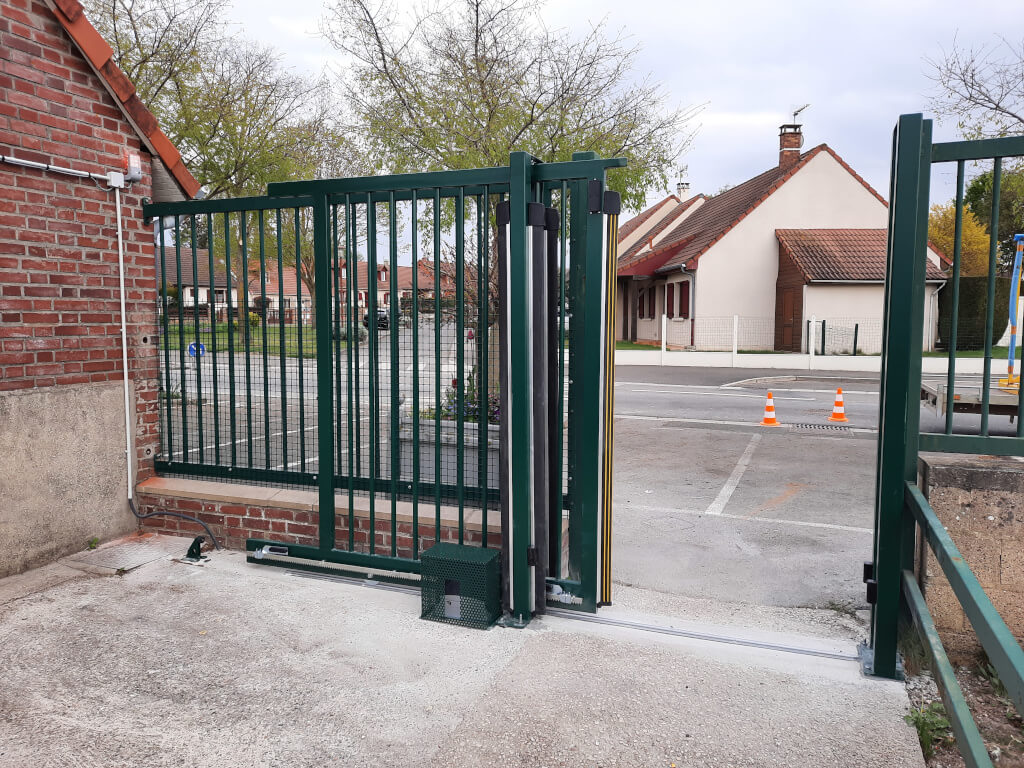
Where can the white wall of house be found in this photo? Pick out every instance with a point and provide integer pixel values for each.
(737, 275)
(823, 300)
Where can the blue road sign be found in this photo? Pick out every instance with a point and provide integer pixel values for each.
(195, 349)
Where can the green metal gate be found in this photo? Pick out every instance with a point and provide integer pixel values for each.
(902, 514)
(267, 377)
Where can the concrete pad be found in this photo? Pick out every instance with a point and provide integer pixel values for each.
(243, 665)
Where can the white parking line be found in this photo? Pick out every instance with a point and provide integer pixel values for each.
(754, 519)
(718, 505)
(721, 394)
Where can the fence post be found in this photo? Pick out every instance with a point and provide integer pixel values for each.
(811, 342)
(899, 412)
(518, 277)
(822, 338)
(856, 327)
(735, 338)
(664, 336)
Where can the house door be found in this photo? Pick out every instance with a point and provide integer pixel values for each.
(789, 320)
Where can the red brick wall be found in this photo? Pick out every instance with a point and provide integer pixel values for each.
(232, 523)
(59, 299)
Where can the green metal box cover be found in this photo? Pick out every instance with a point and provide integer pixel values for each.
(461, 585)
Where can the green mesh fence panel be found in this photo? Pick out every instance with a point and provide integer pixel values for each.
(461, 585)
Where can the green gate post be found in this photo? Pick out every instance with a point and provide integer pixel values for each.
(899, 409)
(324, 373)
(520, 372)
(586, 386)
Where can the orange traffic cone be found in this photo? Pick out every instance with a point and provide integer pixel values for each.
(769, 419)
(838, 411)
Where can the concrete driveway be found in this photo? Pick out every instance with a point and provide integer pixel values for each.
(228, 664)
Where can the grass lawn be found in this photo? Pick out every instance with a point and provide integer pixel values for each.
(634, 345)
(175, 333)
(998, 353)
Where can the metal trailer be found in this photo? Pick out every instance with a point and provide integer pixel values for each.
(968, 398)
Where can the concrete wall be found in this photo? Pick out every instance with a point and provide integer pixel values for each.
(980, 501)
(62, 474)
(738, 275)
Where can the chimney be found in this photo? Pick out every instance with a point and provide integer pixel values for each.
(683, 190)
(791, 139)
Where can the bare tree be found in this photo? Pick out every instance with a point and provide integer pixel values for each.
(462, 84)
(982, 88)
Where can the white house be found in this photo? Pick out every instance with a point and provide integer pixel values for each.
(703, 260)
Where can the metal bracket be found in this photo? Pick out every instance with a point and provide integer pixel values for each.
(531, 556)
(869, 571)
(195, 550)
(872, 591)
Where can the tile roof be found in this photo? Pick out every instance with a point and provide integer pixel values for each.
(696, 233)
(826, 255)
(630, 226)
(98, 53)
(635, 253)
(188, 277)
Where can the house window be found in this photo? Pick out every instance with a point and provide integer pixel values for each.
(670, 300)
(641, 302)
(684, 301)
(650, 303)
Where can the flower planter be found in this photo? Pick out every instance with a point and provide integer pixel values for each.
(428, 439)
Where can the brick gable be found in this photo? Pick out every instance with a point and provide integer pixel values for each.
(59, 298)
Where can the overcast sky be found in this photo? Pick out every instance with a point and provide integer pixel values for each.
(859, 65)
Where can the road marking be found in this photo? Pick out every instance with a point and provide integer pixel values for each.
(751, 425)
(721, 394)
(749, 519)
(718, 505)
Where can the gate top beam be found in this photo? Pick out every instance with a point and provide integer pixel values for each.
(982, 149)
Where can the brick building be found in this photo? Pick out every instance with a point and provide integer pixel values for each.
(64, 104)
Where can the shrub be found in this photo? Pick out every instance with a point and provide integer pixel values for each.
(970, 332)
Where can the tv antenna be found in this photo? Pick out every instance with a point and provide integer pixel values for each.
(799, 110)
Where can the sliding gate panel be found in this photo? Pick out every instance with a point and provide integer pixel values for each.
(344, 337)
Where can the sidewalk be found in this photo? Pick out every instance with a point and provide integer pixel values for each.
(228, 664)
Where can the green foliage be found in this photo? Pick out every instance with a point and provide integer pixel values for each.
(970, 332)
(974, 241)
(464, 86)
(238, 116)
(932, 727)
(255, 320)
(1011, 208)
(93, 542)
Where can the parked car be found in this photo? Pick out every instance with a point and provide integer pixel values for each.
(383, 320)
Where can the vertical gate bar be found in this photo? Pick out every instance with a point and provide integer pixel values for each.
(484, 355)
(415, 384)
(246, 329)
(263, 342)
(437, 365)
(460, 354)
(299, 339)
(350, 333)
(393, 411)
(899, 413)
(990, 307)
(539, 396)
(556, 509)
(169, 445)
(336, 328)
(520, 424)
(955, 318)
(201, 438)
(372, 326)
(214, 341)
(576, 309)
(324, 375)
(181, 343)
(611, 240)
(232, 297)
(280, 341)
(353, 274)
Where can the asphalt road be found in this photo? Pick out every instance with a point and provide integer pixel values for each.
(709, 504)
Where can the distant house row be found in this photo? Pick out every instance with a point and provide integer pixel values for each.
(806, 238)
(280, 291)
